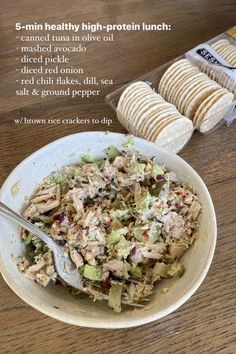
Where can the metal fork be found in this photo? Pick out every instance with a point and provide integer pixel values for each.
(64, 266)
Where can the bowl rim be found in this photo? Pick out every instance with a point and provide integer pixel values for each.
(111, 324)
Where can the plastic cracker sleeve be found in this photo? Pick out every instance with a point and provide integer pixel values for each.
(231, 115)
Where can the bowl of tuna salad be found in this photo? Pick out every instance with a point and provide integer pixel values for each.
(136, 221)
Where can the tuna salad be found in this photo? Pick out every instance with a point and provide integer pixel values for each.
(126, 221)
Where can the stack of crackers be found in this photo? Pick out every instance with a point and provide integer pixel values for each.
(194, 94)
(218, 75)
(187, 98)
(144, 112)
(226, 50)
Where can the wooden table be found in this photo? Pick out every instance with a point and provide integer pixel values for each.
(207, 322)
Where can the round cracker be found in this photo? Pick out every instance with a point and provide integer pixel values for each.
(178, 143)
(142, 106)
(165, 77)
(206, 104)
(231, 59)
(193, 89)
(180, 73)
(226, 49)
(143, 114)
(153, 113)
(220, 44)
(122, 120)
(129, 102)
(225, 52)
(222, 78)
(177, 134)
(140, 101)
(186, 90)
(183, 78)
(162, 124)
(197, 99)
(156, 118)
(126, 94)
(129, 88)
(216, 112)
(193, 92)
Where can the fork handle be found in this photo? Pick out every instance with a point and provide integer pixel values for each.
(12, 215)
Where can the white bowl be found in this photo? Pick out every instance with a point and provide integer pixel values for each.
(58, 303)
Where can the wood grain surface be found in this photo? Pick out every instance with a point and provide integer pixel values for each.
(207, 322)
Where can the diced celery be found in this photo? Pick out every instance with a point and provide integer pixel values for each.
(157, 170)
(145, 201)
(114, 237)
(58, 179)
(138, 167)
(99, 162)
(123, 248)
(87, 158)
(138, 233)
(136, 272)
(28, 239)
(129, 143)
(168, 270)
(161, 269)
(62, 181)
(113, 152)
(93, 273)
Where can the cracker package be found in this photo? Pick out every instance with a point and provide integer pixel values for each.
(194, 91)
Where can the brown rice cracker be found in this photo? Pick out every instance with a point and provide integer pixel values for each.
(197, 99)
(208, 70)
(204, 85)
(123, 97)
(185, 89)
(161, 125)
(181, 73)
(221, 78)
(214, 111)
(226, 52)
(154, 117)
(205, 104)
(232, 59)
(153, 113)
(165, 75)
(134, 102)
(157, 118)
(163, 84)
(176, 134)
(130, 101)
(183, 79)
(134, 96)
(191, 91)
(220, 44)
(141, 107)
(127, 90)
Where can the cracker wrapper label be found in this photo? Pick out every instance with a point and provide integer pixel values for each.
(204, 53)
